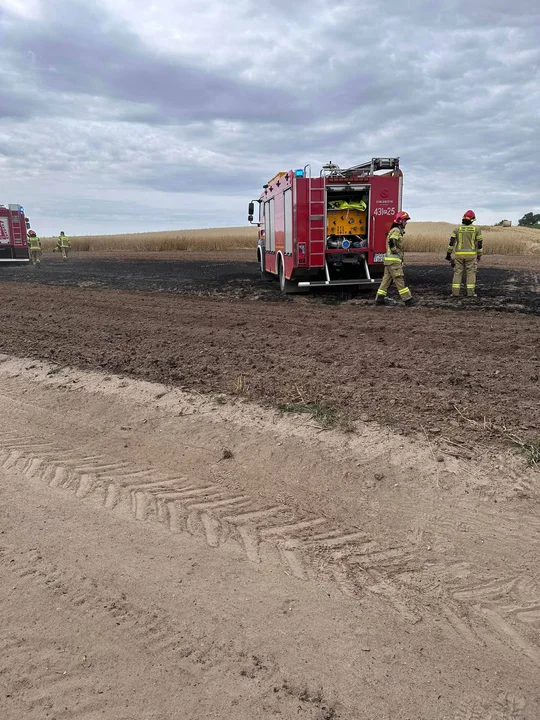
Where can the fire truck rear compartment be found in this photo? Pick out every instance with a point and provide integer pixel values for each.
(346, 239)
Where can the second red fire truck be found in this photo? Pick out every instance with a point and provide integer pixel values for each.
(328, 230)
(13, 239)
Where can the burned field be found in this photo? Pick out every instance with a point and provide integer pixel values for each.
(235, 275)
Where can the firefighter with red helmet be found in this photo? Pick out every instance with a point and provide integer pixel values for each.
(35, 248)
(466, 243)
(393, 262)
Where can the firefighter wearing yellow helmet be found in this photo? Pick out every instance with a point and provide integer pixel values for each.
(466, 243)
(35, 248)
(393, 262)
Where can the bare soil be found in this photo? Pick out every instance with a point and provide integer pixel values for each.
(148, 573)
(175, 543)
(505, 283)
(465, 371)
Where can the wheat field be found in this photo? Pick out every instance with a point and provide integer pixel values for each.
(209, 240)
(421, 237)
(434, 237)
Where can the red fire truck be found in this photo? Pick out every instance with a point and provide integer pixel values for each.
(13, 240)
(328, 230)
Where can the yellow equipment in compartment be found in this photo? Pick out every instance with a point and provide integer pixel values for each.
(346, 221)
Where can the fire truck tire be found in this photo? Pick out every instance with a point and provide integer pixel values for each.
(288, 287)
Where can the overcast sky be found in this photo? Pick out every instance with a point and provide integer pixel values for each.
(134, 115)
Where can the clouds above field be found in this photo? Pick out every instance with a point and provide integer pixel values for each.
(136, 115)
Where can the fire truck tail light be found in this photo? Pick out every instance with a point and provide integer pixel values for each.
(302, 253)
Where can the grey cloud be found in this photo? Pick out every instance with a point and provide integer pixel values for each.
(16, 105)
(450, 87)
(209, 181)
(17, 100)
(459, 14)
(110, 211)
(83, 50)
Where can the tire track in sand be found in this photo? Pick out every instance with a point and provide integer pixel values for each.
(309, 547)
(152, 632)
(162, 640)
(507, 707)
(306, 546)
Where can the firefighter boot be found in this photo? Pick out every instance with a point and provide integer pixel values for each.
(411, 302)
(385, 300)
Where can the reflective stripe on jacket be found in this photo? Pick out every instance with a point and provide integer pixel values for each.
(394, 254)
(466, 240)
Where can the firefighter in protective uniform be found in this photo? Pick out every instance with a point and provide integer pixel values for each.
(393, 262)
(35, 248)
(63, 245)
(466, 243)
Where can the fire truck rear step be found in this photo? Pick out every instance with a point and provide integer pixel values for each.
(368, 280)
(327, 283)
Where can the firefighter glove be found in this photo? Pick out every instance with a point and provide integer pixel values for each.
(452, 263)
(448, 257)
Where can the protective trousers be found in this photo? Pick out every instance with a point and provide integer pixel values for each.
(64, 252)
(35, 256)
(464, 267)
(393, 273)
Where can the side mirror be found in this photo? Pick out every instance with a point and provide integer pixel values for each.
(251, 209)
(250, 218)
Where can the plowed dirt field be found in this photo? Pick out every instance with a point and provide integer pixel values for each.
(463, 369)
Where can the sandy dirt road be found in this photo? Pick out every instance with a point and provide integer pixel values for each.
(147, 574)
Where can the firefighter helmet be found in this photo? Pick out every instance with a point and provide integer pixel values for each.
(401, 218)
(32, 233)
(469, 215)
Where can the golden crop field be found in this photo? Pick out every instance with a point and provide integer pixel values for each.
(421, 237)
(209, 239)
(434, 237)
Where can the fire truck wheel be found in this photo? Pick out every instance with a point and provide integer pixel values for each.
(288, 287)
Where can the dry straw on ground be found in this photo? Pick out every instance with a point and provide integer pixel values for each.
(421, 237)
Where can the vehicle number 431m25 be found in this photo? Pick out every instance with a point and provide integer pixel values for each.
(385, 211)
